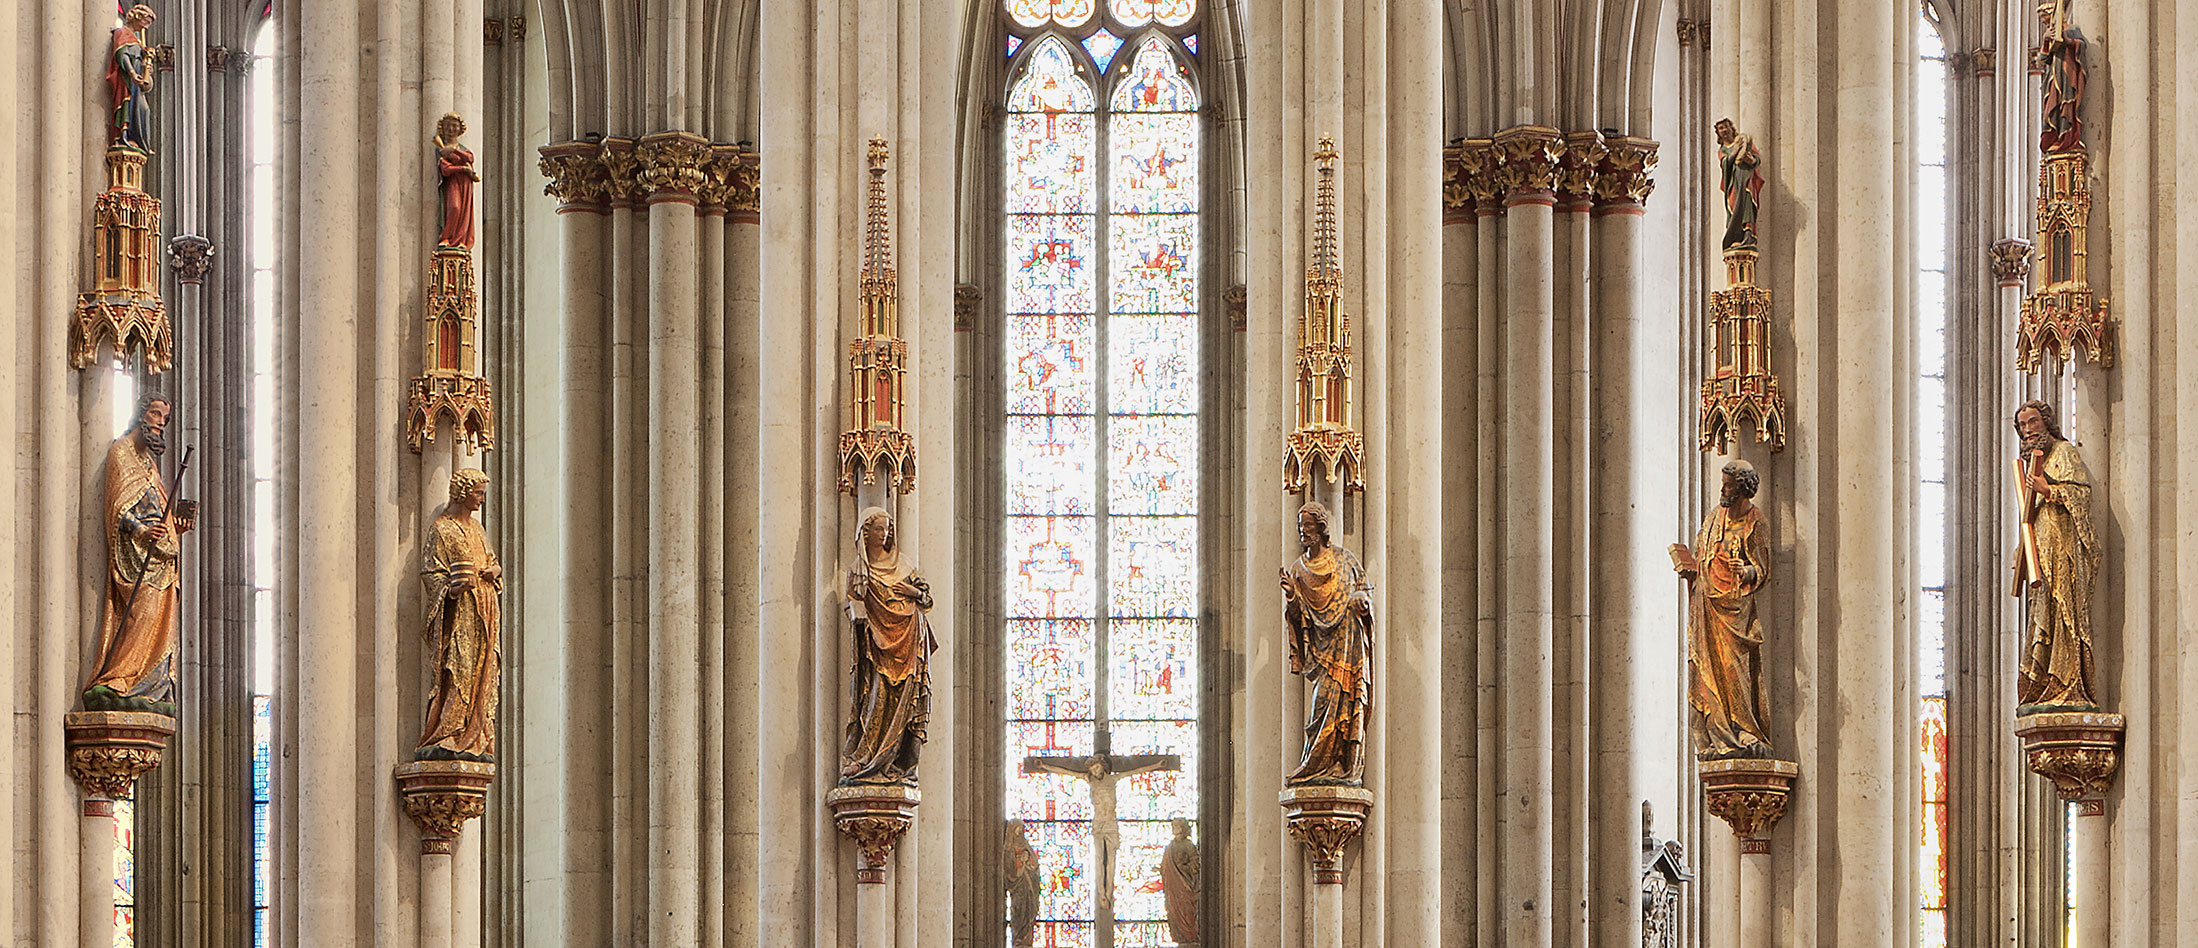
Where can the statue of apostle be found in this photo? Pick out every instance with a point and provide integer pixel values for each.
(1329, 607)
(1725, 570)
(2061, 53)
(464, 627)
(1742, 182)
(455, 163)
(1022, 886)
(2060, 559)
(137, 634)
(130, 81)
(1180, 886)
(886, 599)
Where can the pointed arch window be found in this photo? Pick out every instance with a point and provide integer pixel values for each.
(1934, 198)
(1102, 158)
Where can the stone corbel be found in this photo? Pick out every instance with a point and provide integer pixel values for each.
(875, 817)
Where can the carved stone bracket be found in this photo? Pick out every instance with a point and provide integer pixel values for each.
(466, 399)
(441, 795)
(1528, 162)
(1748, 793)
(2010, 261)
(192, 257)
(1326, 819)
(2078, 750)
(1236, 301)
(1627, 174)
(875, 817)
(109, 750)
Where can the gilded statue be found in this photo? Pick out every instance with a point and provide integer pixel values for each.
(2061, 54)
(886, 601)
(1724, 570)
(1022, 886)
(1742, 182)
(135, 669)
(1180, 885)
(130, 82)
(2056, 565)
(464, 627)
(1329, 607)
(454, 162)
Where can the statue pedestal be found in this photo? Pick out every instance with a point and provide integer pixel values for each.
(1326, 819)
(2080, 751)
(440, 796)
(875, 817)
(1751, 795)
(108, 751)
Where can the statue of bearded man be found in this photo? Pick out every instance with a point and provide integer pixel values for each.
(137, 634)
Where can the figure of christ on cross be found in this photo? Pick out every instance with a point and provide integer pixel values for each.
(1099, 773)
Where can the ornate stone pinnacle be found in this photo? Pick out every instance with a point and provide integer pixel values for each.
(1325, 268)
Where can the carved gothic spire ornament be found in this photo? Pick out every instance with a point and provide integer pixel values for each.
(122, 315)
(877, 440)
(1741, 385)
(452, 386)
(2063, 316)
(1325, 438)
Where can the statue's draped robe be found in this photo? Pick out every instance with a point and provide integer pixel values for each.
(2056, 668)
(1743, 186)
(1331, 635)
(2062, 126)
(1179, 888)
(132, 117)
(1022, 890)
(1725, 641)
(891, 677)
(137, 634)
(464, 627)
(456, 164)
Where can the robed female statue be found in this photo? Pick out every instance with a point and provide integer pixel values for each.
(886, 601)
(464, 627)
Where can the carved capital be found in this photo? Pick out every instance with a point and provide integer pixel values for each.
(671, 165)
(492, 32)
(192, 257)
(1749, 794)
(217, 59)
(2078, 750)
(518, 29)
(875, 817)
(1687, 29)
(1528, 159)
(967, 297)
(577, 179)
(1983, 59)
(1325, 819)
(622, 169)
(1579, 166)
(441, 795)
(1457, 199)
(163, 57)
(109, 750)
(1234, 300)
(1477, 174)
(1628, 172)
(2010, 257)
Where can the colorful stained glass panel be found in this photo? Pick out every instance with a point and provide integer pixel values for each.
(1066, 934)
(1053, 674)
(1049, 263)
(1102, 46)
(1152, 169)
(1158, 794)
(1038, 12)
(1157, 83)
(1050, 569)
(1152, 364)
(1014, 43)
(1137, 895)
(1155, 258)
(1046, 796)
(1052, 369)
(1049, 82)
(1152, 464)
(1049, 163)
(1050, 461)
(1152, 565)
(1141, 12)
(1064, 869)
(1152, 673)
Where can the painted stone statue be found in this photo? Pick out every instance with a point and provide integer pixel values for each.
(1329, 607)
(464, 627)
(886, 600)
(137, 633)
(1741, 179)
(2056, 567)
(1725, 570)
(1021, 867)
(1180, 885)
(455, 163)
(2061, 53)
(130, 82)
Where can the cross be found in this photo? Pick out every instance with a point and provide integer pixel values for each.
(1099, 772)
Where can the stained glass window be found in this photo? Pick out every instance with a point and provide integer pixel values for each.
(262, 214)
(1932, 201)
(1101, 553)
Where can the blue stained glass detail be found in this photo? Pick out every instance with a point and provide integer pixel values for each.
(1156, 83)
(1102, 46)
(1191, 43)
(1014, 43)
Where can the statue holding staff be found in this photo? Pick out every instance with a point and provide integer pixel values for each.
(137, 636)
(1742, 181)
(2057, 565)
(130, 82)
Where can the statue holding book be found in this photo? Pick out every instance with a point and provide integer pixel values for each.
(1725, 569)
